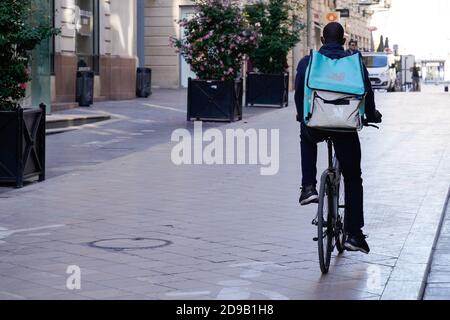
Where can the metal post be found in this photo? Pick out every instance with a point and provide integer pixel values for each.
(40, 136)
(308, 23)
(20, 153)
(244, 79)
(404, 73)
(141, 32)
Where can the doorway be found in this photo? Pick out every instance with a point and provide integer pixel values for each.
(185, 69)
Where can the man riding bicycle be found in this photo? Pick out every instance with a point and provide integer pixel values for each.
(347, 144)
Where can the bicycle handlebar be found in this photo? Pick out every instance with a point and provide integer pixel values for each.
(371, 125)
(367, 124)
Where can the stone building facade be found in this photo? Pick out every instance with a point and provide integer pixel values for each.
(169, 68)
(171, 71)
(161, 18)
(99, 34)
(358, 22)
(113, 37)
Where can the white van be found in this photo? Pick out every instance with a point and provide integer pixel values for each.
(381, 67)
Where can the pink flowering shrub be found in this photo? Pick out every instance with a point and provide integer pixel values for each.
(216, 39)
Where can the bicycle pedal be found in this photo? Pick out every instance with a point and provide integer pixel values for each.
(316, 239)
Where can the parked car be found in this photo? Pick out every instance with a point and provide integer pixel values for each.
(381, 67)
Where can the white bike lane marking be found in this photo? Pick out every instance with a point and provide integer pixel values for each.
(163, 107)
(240, 289)
(4, 233)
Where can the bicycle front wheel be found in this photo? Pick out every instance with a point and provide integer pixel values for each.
(325, 233)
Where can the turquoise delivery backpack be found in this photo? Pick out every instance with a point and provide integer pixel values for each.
(334, 93)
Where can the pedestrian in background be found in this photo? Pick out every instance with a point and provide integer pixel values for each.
(353, 47)
(416, 78)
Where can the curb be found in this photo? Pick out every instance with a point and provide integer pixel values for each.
(64, 123)
(436, 240)
(410, 274)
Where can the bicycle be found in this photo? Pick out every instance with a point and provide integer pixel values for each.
(331, 211)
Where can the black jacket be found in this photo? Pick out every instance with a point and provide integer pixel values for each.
(333, 51)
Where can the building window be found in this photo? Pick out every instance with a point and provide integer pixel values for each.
(87, 34)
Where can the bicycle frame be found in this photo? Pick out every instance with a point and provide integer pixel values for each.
(330, 154)
(333, 171)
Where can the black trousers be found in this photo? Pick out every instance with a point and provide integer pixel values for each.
(348, 152)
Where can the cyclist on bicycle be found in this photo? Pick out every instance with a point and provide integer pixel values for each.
(347, 145)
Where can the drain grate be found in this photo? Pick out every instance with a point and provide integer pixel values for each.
(122, 244)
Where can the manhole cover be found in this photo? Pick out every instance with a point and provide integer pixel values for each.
(120, 244)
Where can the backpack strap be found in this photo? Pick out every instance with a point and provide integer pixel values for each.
(363, 67)
(311, 55)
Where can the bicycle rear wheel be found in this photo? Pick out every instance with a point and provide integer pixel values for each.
(325, 232)
(340, 206)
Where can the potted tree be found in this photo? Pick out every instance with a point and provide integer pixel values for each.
(22, 130)
(215, 43)
(268, 84)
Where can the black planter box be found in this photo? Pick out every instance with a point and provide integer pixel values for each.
(143, 82)
(22, 145)
(210, 100)
(267, 90)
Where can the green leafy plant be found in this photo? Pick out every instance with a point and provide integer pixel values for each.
(216, 39)
(23, 26)
(280, 31)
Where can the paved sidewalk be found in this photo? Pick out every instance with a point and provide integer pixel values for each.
(135, 125)
(222, 232)
(438, 282)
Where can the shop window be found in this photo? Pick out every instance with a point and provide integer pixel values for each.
(87, 34)
(39, 90)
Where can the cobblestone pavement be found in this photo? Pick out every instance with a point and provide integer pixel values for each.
(220, 232)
